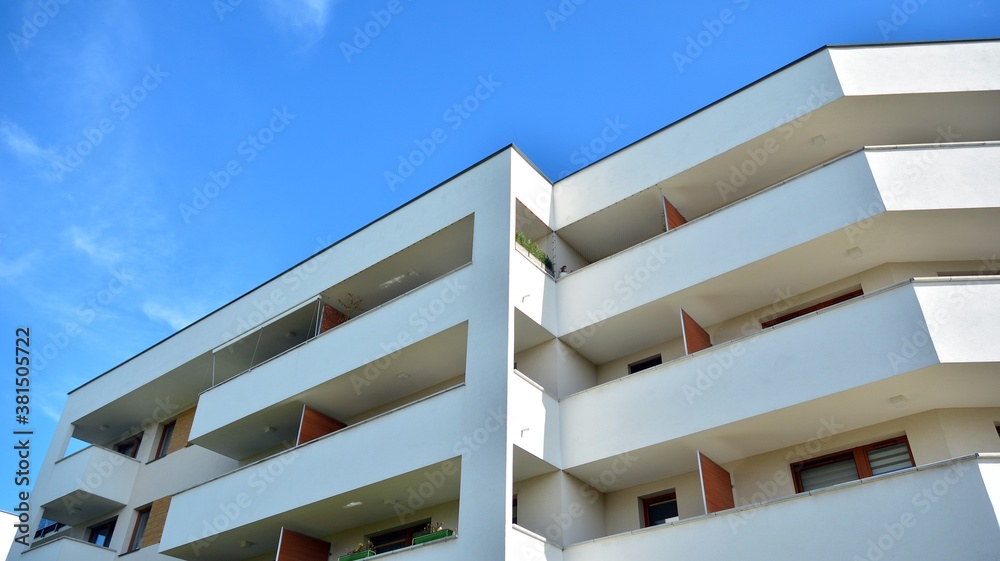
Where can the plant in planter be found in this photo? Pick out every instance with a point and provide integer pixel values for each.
(362, 551)
(533, 250)
(433, 531)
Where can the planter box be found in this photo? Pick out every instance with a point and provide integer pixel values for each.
(353, 556)
(432, 536)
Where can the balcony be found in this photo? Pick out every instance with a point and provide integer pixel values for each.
(863, 519)
(387, 456)
(930, 339)
(68, 549)
(851, 215)
(87, 484)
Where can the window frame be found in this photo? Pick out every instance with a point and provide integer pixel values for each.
(859, 454)
(166, 435)
(135, 439)
(633, 367)
(408, 533)
(647, 502)
(109, 524)
(141, 520)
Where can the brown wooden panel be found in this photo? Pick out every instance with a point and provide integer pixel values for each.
(332, 317)
(695, 338)
(154, 526)
(315, 424)
(674, 216)
(294, 546)
(716, 485)
(182, 430)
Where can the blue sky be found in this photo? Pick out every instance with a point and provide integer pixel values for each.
(158, 160)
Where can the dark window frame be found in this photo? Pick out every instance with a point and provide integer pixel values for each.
(166, 434)
(645, 364)
(859, 454)
(93, 532)
(653, 501)
(400, 535)
(135, 440)
(810, 309)
(139, 529)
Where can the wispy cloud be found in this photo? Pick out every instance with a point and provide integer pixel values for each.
(21, 144)
(173, 317)
(306, 19)
(98, 250)
(13, 268)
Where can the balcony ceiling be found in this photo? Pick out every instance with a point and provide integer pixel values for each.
(939, 235)
(326, 517)
(936, 387)
(845, 125)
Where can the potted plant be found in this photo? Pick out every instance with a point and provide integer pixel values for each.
(362, 551)
(433, 531)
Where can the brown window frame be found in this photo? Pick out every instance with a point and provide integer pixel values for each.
(811, 309)
(405, 536)
(658, 498)
(163, 446)
(135, 439)
(859, 454)
(634, 367)
(141, 513)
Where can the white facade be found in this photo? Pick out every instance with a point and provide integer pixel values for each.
(840, 254)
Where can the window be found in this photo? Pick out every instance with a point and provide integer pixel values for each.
(100, 534)
(849, 465)
(514, 510)
(142, 517)
(168, 432)
(391, 540)
(130, 446)
(659, 509)
(810, 309)
(644, 364)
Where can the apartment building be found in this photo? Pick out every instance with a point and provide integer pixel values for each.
(777, 336)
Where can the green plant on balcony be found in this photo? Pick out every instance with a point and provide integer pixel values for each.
(362, 551)
(533, 250)
(433, 531)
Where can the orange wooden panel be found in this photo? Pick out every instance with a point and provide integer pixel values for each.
(674, 216)
(154, 525)
(716, 485)
(182, 430)
(315, 424)
(332, 317)
(294, 546)
(695, 338)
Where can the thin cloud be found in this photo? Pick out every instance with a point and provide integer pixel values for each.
(87, 243)
(13, 268)
(173, 317)
(22, 145)
(305, 19)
